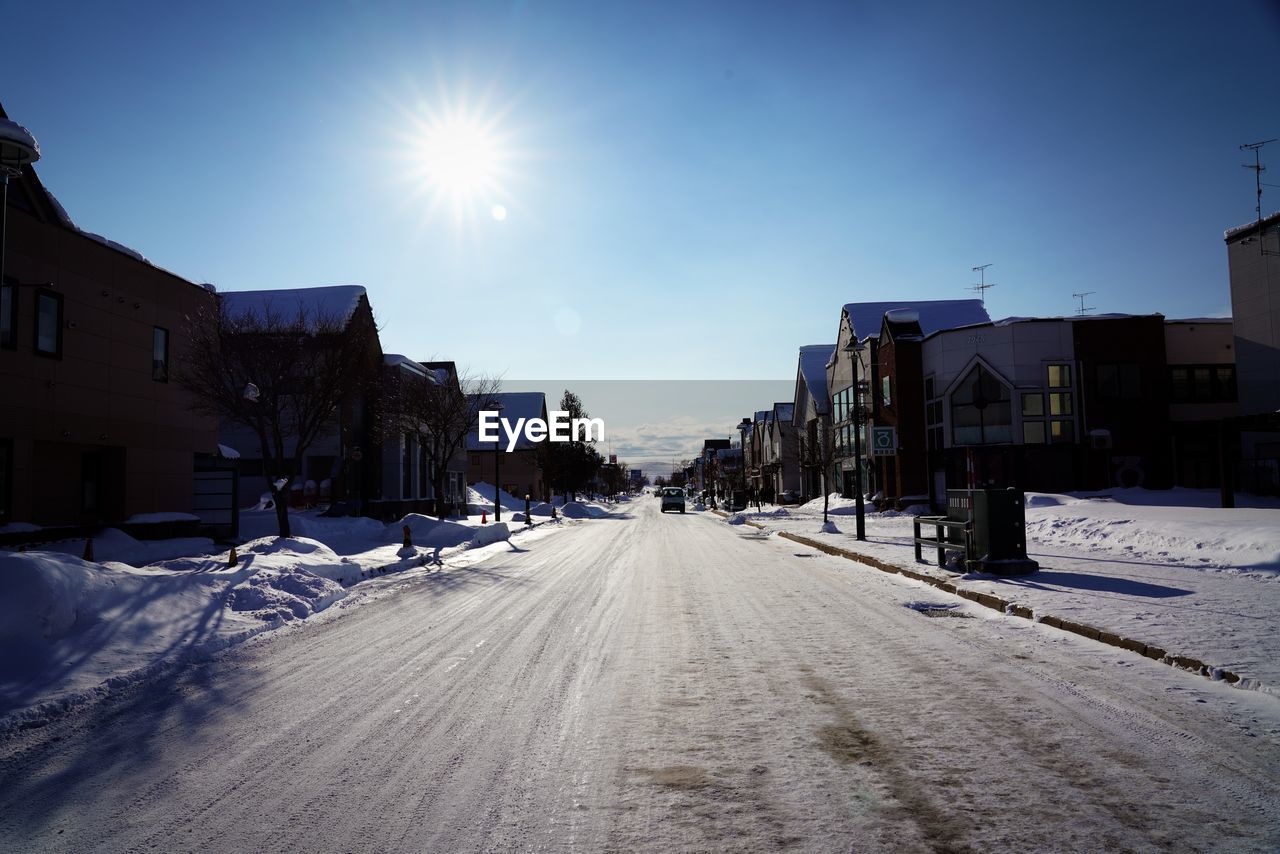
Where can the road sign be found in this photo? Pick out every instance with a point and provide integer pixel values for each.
(884, 441)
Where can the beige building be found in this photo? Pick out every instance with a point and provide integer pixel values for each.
(93, 429)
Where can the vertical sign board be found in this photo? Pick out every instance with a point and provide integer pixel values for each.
(884, 441)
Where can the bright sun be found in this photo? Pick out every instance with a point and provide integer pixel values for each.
(457, 156)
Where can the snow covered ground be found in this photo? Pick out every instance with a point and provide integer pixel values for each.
(1169, 568)
(73, 630)
(654, 683)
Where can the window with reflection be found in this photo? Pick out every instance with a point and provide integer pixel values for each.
(981, 410)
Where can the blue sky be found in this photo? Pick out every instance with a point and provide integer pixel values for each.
(719, 177)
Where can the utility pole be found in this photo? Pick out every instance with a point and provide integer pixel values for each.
(983, 286)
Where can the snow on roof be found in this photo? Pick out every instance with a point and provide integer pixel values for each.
(813, 367)
(761, 414)
(119, 247)
(515, 405)
(1250, 226)
(785, 411)
(337, 302)
(12, 132)
(228, 453)
(1227, 319)
(866, 317)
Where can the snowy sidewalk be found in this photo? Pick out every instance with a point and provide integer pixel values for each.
(72, 630)
(1163, 568)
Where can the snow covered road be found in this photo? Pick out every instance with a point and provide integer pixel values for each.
(656, 682)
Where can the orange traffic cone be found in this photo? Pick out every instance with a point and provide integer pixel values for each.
(233, 558)
(88, 550)
(408, 544)
(484, 517)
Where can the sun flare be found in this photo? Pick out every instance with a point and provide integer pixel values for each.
(457, 156)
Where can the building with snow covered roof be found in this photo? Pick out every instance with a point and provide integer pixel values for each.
(343, 465)
(781, 464)
(876, 343)
(93, 429)
(812, 414)
(408, 476)
(1049, 404)
(519, 469)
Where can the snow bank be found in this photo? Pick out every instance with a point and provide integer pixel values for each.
(578, 510)
(736, 519)
(428, 531)
(830, 528)
(114, 545)
(487, 535)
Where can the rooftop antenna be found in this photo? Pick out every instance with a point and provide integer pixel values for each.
(1083, 309)
(982, 285)
(1258, 169)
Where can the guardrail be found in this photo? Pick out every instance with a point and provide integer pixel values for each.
(939, 542)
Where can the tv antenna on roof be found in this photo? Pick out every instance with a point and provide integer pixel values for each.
(1083, 309)
(1258, 169)
(983, 285)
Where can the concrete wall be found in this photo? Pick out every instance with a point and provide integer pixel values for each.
(1255, 308)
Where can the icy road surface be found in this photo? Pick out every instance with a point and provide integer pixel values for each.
(656, 683)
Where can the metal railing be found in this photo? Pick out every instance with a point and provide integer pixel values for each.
(940, 540)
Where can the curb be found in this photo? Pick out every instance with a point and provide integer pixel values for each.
(1012, 609)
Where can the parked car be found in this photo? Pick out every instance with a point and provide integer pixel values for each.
(788, 496)
(672, 499)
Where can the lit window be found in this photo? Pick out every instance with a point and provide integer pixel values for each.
(1062, 431)
(1059, 376)
(1060, 403)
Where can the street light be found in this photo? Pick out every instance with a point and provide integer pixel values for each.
(853, 348)
(497, 476)
(18, 148)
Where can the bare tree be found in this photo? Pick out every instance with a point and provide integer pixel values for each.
(439, 410)
(283, 374)
(817, 452)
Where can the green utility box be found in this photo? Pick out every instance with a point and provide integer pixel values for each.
(999, 528)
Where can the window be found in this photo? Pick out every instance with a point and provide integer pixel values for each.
(1059, 376)
(1203, 383)
(981, 410)
(885, 398)
(1033, 404)
(6, 479)
(1033, 432)
(160, 354)
(9, 317)
(48, 324)
(1060, 403)
(406, 467)
(424, 479)
(1062, 431)
(1120, 381)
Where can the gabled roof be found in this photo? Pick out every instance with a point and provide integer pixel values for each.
(784, 411)
(515, 405)
(337, 303)
(866, 317)
(813, 368)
